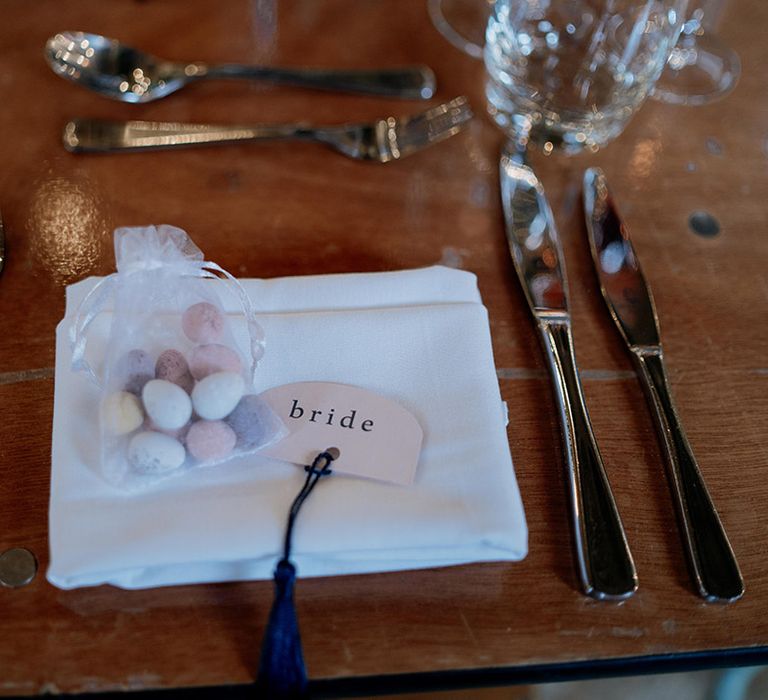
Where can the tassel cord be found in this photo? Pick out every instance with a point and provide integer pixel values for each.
(318, 469)
(282, 674)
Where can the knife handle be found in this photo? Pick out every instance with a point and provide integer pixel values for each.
(712, 563)
(604, 561)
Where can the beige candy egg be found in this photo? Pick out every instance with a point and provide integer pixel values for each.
(121, 413)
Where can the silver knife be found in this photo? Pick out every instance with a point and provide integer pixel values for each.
(603, 559)
(712, 563)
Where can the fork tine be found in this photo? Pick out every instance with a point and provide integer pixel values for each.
(436, 124)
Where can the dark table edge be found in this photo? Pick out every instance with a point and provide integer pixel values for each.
(476, 678)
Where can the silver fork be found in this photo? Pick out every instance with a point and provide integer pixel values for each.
(382, 140)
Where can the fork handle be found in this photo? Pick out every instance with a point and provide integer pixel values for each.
(95, 135)
(604, 561)
(410, 82)
(713, 566)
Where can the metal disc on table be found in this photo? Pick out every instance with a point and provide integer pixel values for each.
(18, 567)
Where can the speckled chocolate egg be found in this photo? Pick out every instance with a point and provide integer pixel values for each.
(135, 369)
(121, 413)
(210, 440)
(172, 366)
(167, 404)
(211, 358)
(155, 453)
(203, 323)
(215, 396)
(253, 421)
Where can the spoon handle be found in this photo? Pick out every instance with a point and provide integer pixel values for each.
(409, 82)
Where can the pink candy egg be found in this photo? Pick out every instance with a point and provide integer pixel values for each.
(203, 323)
(172, 366)
(207, 359)
(210, 440)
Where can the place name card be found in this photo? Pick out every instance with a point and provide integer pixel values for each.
(377, 437)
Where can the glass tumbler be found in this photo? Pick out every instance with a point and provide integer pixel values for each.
(568, 75)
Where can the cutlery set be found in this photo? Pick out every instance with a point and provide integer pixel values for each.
(126, 74)
(604, 562)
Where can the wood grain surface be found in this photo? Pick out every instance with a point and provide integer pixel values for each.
(290, 209)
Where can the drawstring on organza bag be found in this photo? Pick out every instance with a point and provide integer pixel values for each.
(176, 390)
(165, 246)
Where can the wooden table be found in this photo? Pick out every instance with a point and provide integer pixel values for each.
(279, 209)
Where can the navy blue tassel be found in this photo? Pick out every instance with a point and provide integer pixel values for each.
(282, 673)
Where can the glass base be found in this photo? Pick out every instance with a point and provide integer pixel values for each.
(532, 129)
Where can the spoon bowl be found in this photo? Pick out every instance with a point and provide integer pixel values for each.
(123, 73)
(112, 69)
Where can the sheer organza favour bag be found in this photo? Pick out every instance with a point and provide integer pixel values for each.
(176, 389)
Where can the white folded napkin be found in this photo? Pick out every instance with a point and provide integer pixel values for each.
(419, 337)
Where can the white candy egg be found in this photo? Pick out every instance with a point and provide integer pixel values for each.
(154, 453)
(121, 413)
(216, 396)
(167, 404)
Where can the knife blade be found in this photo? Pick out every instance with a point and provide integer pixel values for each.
(604, 562)
(712, 564)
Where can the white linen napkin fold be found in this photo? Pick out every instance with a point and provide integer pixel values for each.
(420, 337)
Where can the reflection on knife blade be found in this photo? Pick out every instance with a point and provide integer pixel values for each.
(711, 560)
(533, 239)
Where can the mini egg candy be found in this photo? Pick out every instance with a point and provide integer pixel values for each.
(210, 440)
(172, 366)
(203, 323)
(253, 421)
(155, 453)
(135, 368)
(167, 404)
(215, 396)
(121, 413)
(211, 358)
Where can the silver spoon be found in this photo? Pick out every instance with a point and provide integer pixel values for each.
(129, 75)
